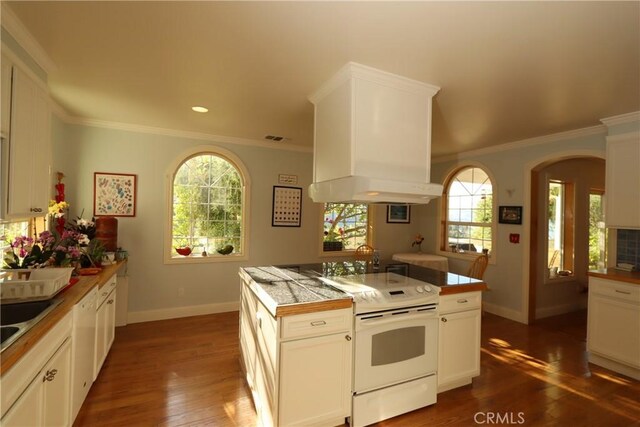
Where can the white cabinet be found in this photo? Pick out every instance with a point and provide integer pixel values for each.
(322, 393)
(5, 107)
(459, 340)
(298, 367)
(105, 323)
(83, 349)
(623, 181)
(36, 391)
(613, 328)
(27, 150)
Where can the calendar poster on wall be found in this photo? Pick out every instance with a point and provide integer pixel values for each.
(287, 206)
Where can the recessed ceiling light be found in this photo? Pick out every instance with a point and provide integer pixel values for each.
(200, 109)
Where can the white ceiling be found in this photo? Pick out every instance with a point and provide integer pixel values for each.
(508, 70)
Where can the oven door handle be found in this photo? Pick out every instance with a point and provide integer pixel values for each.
(389, 318)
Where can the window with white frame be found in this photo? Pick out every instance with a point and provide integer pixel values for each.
(345, 226)
(468, 211)
(208, 206)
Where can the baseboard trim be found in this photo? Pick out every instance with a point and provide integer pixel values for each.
(557, 310)
(516, 316)
(614, 366)
(178, 312)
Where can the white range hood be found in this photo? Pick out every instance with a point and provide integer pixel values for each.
(372, 138)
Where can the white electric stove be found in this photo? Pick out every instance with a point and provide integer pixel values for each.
(395, 345)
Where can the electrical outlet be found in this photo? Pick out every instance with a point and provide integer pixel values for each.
(180, 291)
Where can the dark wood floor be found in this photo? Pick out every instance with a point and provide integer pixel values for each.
(185, 372)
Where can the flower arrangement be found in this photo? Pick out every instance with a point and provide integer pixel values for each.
(44, 251)
(417, 241)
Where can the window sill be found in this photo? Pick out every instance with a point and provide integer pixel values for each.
(467, 256)
(341, 254)
(199, 259)
(559, 279)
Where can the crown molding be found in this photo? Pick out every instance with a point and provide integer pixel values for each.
(621, 119)
(65, 117)
(19, 32)
(539, 140)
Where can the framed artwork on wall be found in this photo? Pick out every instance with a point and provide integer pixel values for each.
(510, 215)
(114, 194)
(399, 214)
(287, 206)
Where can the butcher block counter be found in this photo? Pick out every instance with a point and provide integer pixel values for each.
(296, 289)
(70, 297)
(632, 277)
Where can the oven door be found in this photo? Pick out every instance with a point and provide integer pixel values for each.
(395, 346)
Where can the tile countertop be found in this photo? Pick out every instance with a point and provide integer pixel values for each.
(286, 292)
(632, 277)
(70, 297)
(295, 289)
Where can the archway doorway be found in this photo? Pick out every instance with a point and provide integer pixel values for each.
(561, 190)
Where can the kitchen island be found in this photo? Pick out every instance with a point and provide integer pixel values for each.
(297, 335)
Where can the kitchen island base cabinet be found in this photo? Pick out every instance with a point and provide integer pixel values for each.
(320, 395)
(613, 326)
(298, 367)
(459, 340)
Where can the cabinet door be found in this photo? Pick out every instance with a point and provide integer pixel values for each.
(27, 411)
(29, 149)
(82, 350)
(459, 346)
(315, 380)
(5, 89)
(623, 181)
(613, 329)
(56, 377)
(100, 349)
(110, 322)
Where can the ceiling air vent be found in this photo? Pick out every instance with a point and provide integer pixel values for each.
(275, 138)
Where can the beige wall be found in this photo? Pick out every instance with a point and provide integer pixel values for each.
(79, 151)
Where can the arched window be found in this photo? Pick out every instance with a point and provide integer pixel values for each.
(208, 204)
(468, 212)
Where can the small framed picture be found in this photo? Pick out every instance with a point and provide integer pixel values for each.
(399, 214)
(114, 194)
(287, 206)
(510, 214)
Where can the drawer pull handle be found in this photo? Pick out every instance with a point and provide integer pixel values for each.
(623, 292)
(36, 209)
(50, 375)
(444, 319)
(318, 323)
(347, 337)
(462, 301)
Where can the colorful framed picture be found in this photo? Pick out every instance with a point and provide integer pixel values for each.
(399, 214)
(287, 206)
(114, 194)
(510, 214)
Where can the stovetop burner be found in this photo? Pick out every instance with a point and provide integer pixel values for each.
(384, 291)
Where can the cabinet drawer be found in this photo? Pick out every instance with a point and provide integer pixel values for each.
(316, 324)
(106, 289)
(614, 289)
(460, 302)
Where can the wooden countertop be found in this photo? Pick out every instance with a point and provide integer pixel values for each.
(70, 297)
(632, 277)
